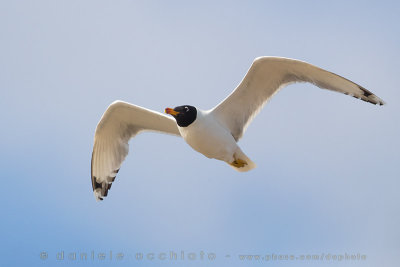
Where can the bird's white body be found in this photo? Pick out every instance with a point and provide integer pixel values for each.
(213, 133)
(207, 136)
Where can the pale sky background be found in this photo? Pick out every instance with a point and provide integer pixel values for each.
(328, 170)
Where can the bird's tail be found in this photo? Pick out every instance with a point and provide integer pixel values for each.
(242, 163)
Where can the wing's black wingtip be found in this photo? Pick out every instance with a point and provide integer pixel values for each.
(101, 189)
(366, 92)
(370, 97)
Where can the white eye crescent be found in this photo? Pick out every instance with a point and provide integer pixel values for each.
(187, 109)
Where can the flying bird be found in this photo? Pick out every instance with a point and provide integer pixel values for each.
(214, 132)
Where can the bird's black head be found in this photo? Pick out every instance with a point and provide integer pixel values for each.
(184, 115)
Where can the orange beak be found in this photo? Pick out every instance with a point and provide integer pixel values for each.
(171, 111)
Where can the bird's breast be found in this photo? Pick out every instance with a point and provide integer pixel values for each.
(208, 137)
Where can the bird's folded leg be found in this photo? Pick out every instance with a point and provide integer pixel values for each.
(238, 163)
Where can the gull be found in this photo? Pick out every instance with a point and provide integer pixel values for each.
(215, 132)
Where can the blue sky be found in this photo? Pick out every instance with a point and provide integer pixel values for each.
(328, 165)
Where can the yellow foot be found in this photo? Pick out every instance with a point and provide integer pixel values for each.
(238, 163)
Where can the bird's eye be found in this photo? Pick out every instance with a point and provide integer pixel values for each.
(187, 109)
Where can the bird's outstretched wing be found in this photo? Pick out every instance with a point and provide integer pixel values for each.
(269, 74)
(119, 123)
